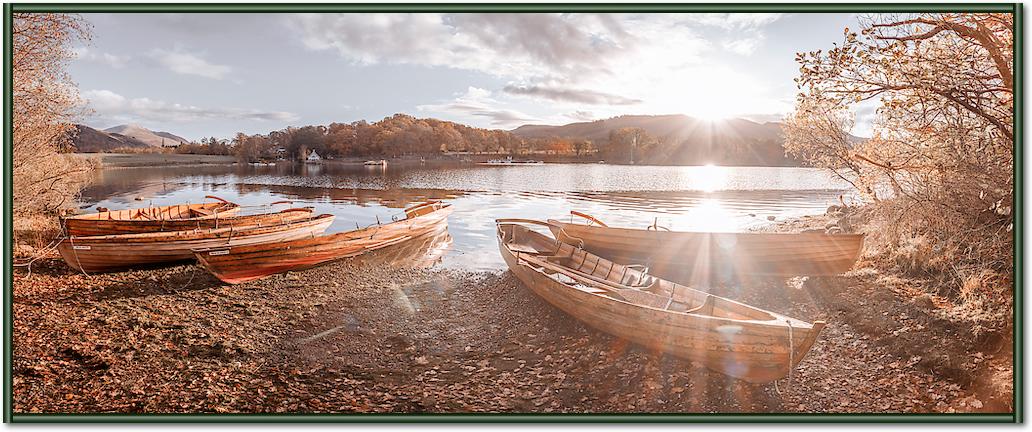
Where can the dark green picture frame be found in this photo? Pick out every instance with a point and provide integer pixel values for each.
(1018, 206)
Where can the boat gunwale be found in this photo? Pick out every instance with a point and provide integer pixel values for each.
(97, 216)
(200, 234)
(823, 236)
(330, 238)
(778, 321)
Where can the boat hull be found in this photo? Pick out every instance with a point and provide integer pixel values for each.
(84, 228)
(110, 253)
(707, 257)
(122, 221)
(757, 351)
(242, 264)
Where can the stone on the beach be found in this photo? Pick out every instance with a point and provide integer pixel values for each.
(924, 301)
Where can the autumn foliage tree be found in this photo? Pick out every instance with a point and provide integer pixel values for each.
(629, 144)
(46, 106)
(943, 136)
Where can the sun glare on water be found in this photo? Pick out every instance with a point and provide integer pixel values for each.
(709, 215)
(707, 178)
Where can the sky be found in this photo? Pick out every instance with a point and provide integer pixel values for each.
(200, 75)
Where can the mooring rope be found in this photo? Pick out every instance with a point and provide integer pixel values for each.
(792, 355)
(76, 254)
(791, 360)
(43, 252)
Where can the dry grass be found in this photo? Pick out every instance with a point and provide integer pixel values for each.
(964, 259)
(33, 234)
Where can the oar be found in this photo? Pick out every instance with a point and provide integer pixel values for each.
(588, 217)
(217, 198)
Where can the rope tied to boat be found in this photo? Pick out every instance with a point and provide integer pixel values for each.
(46, 250)
(791, 360)
(791, 355)
(75, 253)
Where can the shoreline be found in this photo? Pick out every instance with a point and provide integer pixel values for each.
(158, 160)
(367, 335)
(151, 160)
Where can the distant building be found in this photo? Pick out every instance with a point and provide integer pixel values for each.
(313, 157)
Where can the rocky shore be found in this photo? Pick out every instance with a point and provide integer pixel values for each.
(369, 336)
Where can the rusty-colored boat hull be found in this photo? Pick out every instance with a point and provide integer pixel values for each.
(223, 220)
(713, 256)
(236, 264)
(732, 338)
(116, 252)
(129, 221)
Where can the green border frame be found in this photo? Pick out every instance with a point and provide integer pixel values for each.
(1018, 206)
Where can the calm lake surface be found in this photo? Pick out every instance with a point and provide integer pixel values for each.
(701, 198)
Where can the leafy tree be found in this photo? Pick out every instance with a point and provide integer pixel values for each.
(943, 133)
(46, 106)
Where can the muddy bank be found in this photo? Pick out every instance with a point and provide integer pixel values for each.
(371, 337)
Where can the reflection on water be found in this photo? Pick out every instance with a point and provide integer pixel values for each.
(679, 198)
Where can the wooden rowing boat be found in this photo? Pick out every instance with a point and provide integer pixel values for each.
(116, 252)
(124, 221)
(735, 339)
(707, 256)
(235, 264)
(419, 252)
(116, 226)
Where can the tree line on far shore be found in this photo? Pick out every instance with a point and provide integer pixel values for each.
(404, 135)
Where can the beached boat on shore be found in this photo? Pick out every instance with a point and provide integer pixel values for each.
(88, 224)
(237, 264)
(706, 254)
(116, 252)
(732, 338)
(135, 226)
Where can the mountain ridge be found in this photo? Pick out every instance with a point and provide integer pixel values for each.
(683, 139)
(146, 136)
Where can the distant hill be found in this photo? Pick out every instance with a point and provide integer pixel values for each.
(146, 136)
(684, 139)
(90, 140)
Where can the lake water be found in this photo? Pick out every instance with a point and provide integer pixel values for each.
(702, 198)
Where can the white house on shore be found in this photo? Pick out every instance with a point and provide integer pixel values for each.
(313, 157)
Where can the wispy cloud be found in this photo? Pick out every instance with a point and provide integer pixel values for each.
(590, 97)
(744, 46)
(498, 44)
(581, 116)
(477, 102)
(114, 107)
(182, 62)
(659, 63)
(115, 61)
(733, 21)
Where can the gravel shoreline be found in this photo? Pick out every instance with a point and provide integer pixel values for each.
(371, 336)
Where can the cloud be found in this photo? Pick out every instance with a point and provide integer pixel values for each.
(590, 97)
(115, 61)
(112, 106)
(733, 21)
(744, 46)
(497, 44)
(604, 63)
(477, 102)
(185, 63)
(581, 116)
